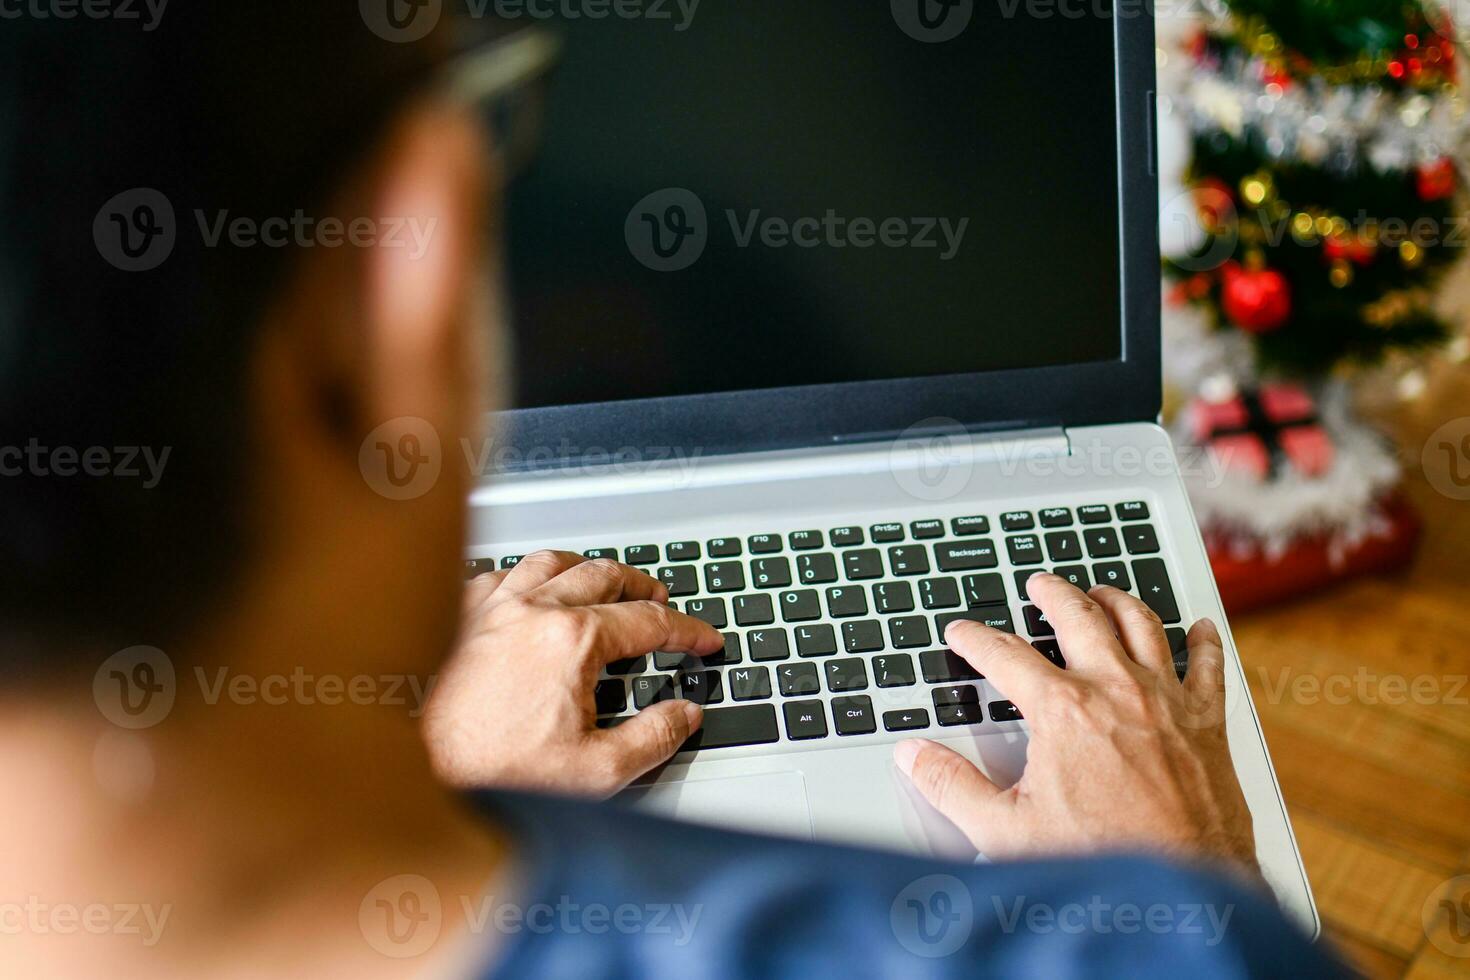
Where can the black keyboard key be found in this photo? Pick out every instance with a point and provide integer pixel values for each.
(1022, 577)
(844, 601)
(816, 641)
(749, 683)
(730, 654)
(1133, 510)
(845, 537)
(1076, 574)
(805, 540)
(850, 674)
(800, 606)
(983, 590)
(1004, 711)
(1017, 520)
(1056, 517)
(939, 593)
(1024, 549)
(1063, 546)
(610, 696)
(1095, 514)
(908, 559)
(924, 530)
(863, 563)
(478, 566)
(1180, 649)
(798, 679)
(723, 547)
(965, 556)
(886, 533)
(854, 716)
(511, 561)
(908, 720)
(958, 694)
(963, 527)
(1141, 539)
(682, 551)
(893, 670)
(805, 719)
(818, 569)
(747, 724)
(1154, 588)
(633, 665)
(680, 580)
(651, 688)
(960, 714)
(712, 611)
(701, 686)
(1051, 650)
(754, 610)
(724, 576)
(1102, 542)
(764, 544)
(908, 632)
(595, 553)
(641, 554)
(770, 573)
(893, 597)
(768, 644)
(862, 636)
(996, 617)
(1036, 622)
(1113, 573)
(946, 667)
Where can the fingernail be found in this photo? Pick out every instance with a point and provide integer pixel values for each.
(1036, 575)
(904, 754)
(694, 713)
(960, 625)
(1209, 624)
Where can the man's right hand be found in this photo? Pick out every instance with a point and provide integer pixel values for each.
(1122, 756)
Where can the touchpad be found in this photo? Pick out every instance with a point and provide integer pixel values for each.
(771, 803)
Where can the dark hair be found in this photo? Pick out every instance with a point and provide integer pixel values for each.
(260, 108)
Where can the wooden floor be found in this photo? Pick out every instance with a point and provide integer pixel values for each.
(1379, 793)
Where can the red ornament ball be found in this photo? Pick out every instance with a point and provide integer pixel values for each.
(1436, 181)
(1255, 300)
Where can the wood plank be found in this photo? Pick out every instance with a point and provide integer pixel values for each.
(1367, 959)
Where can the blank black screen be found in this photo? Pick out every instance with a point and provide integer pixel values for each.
(793, 109)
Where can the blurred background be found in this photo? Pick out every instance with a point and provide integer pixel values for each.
(1316, 314)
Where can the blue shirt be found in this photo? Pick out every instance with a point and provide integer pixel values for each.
(609, 893)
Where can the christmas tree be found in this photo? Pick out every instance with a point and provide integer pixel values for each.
(1325, 140)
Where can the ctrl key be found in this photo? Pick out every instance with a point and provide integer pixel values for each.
(854, 715)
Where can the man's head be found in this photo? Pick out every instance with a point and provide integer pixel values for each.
(192, 358)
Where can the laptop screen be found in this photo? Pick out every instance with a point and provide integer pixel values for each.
(771, 193)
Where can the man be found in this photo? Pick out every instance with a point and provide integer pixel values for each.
(270, 807)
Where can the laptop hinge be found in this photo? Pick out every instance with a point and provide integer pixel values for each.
(915, 451)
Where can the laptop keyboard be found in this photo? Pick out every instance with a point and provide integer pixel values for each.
(837, 633)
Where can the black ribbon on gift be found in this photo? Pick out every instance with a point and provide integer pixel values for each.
(1265, 428)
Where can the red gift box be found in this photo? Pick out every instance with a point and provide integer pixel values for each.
(1261, 431)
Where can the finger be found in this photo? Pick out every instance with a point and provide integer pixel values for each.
(482, 587)
(956, 788)
(1138, 626)
(648, 739)
(593, 583)
(538, 568)
(1205, 679)
(631, 629)
(1006, 660)
(1083, 630)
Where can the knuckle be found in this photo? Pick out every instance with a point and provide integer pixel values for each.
(567, 628)
(606, 569)
(1068, 702)
(1076, 607)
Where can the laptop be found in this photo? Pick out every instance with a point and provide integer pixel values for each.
(842, 319)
